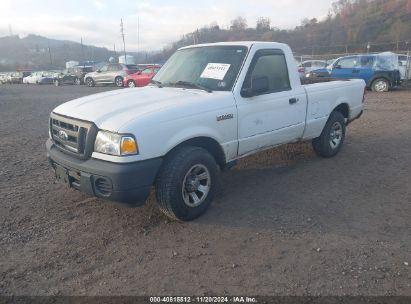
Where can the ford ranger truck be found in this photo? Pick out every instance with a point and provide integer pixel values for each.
(207, 107)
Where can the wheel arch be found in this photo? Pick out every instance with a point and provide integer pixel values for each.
(207, 143)
(344, 109)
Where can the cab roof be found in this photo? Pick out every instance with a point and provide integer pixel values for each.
(247, 44)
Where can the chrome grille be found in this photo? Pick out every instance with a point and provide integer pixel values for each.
(69, 134)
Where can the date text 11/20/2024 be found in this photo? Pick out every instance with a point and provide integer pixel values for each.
(203, 300)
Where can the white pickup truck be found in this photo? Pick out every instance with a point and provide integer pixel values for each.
(207, 107)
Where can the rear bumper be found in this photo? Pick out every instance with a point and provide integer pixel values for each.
(128, 183)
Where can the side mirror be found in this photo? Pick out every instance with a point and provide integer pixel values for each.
(259, 85)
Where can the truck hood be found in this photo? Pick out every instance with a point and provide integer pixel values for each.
(114, 109)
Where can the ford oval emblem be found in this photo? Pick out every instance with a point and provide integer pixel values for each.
(63, 135)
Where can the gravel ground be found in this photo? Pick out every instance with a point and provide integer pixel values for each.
(285, 223)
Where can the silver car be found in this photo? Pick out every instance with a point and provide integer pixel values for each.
(111, 73)
(310, 65)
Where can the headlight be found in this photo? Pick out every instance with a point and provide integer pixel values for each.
(115, 144)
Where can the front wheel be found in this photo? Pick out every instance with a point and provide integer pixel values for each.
(119, 81)
(131, 84)
(186, 182)
(56, 83)
(90, 82)
(332, 137)
(77, 81)
(380, 85)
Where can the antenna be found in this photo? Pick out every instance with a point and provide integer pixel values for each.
(124, 43)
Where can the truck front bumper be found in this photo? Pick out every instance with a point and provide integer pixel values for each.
(128, 183)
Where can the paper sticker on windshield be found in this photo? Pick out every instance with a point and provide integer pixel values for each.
(215, 71)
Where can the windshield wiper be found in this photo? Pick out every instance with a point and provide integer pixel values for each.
(191, 84)
(157, 83)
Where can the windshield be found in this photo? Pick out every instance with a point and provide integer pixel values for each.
(211, 67)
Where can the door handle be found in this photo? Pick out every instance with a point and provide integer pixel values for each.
(293, 100)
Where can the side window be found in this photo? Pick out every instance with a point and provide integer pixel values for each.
(272, 66)
(307, 65)
(347, 63)
(146, 71)
(365, 62)
(104, 68)
(112, 67)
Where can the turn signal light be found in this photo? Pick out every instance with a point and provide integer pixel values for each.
(128, 146)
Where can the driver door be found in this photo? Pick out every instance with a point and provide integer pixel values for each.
(101, 74)
(274, 114)
(144, 78)
(344, 68)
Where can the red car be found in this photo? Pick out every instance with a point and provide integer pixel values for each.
(141, 78)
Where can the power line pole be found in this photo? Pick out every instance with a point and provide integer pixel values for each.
(51, 61)
(82, 49)
(138, 34)
(124, 42)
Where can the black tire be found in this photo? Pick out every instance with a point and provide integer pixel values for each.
(177, 168)
(118, 81)
(326, 145)
(77, 81)
(380, 85)
(56, 83)
(90, 82)
(131, 84)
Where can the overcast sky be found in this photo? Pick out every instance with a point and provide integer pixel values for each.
(161, 21)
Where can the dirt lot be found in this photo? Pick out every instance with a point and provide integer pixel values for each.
(285, 223)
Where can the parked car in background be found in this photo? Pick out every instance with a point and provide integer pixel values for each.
(404, 67)
(74, 75)
(81, 71)
(3, 78)
(310, 65)
(141, 78)
(112, 73)
(15, 77)
(6, 78)
(379, 71)
(39, 78)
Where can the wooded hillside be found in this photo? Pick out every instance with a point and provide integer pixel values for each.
(348, 28)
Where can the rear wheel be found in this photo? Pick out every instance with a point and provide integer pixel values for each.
(186, 182)
(56, 82)
(118, 81)
(380, 85)
(90, 82)
(77, 81)
(131, 84)
(332, 137)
